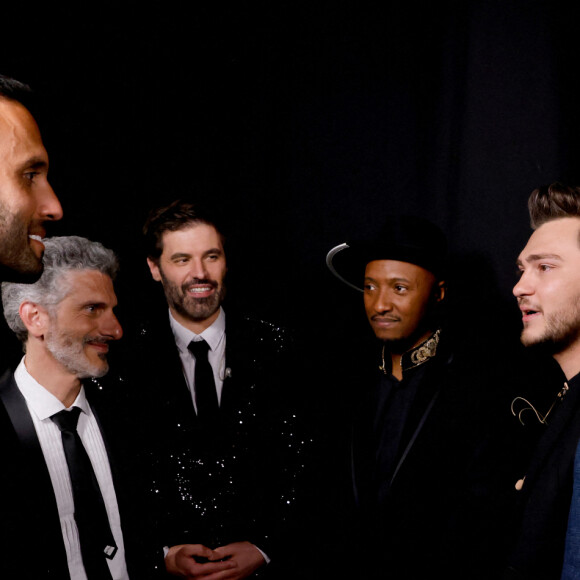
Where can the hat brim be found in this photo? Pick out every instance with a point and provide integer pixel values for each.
(330, 258)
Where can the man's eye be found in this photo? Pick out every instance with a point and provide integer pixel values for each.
(545, 267)
(400, 288)
(31, 175)
(368, 287)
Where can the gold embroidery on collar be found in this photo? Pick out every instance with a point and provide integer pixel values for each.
(416, 356)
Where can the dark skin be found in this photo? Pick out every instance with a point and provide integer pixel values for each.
(398, 297)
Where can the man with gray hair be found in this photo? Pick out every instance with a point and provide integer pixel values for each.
(60, 502)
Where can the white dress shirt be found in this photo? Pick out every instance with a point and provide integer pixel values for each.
(215, 336)
(42, 405)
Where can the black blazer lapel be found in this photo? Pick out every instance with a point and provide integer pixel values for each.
(31, 494)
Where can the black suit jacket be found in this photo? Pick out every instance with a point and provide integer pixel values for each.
(438, 514)
(542, 506)
(238, 480)
(30, 538)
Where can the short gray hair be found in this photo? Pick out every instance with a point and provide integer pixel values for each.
(62, 255)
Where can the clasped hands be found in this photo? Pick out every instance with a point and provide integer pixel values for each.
(231, 562)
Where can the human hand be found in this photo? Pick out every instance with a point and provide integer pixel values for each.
(181, 561)
(244, 554)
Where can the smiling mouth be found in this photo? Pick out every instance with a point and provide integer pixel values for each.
(200, 289)
(385, 320)
(36, 238)
(102, 345)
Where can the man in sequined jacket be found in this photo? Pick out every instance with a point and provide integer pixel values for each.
(421, 412)
(223, 462)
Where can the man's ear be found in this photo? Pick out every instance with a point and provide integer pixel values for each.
(34, 317)
(154, 269)
(439, 291)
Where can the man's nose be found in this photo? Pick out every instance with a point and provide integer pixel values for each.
(112, 327)
(523, 286)
(198, 269)
(383, 302)
(49, 207)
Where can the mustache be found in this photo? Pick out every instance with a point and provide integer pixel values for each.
(99, 339)
(526, 303)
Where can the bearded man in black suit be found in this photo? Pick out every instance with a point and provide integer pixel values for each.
(56, 524)
(225, 449)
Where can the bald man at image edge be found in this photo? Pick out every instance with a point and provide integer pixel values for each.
(26, 197)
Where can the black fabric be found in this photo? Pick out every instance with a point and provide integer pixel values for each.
(542, 505)
(26, 496)
(206, 400)
(404, 238)
(96, 537)
(393, 403)
(241, 481)
(438, 514)
(30, 518)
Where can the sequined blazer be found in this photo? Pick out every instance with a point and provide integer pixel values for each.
(236, 481)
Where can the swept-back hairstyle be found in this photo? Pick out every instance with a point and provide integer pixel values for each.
(554, 201)
(62, 255)
(178, 215)
(14, 90)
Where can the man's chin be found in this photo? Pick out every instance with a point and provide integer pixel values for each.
(94, 372)
(21, 275)
(545, 345)
(397, 345)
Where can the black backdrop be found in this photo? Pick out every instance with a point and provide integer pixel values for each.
(305, 122)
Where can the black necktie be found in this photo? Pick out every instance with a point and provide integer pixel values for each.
(96, 538)
(206, 399)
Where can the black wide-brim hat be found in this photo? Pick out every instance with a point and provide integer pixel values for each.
(404, 238)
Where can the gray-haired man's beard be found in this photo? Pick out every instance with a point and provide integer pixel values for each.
(69, 352)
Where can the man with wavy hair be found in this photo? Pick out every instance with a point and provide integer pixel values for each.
(548, 295)
(220, 391)
(61, 505)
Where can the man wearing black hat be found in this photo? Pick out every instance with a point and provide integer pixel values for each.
(422, 414)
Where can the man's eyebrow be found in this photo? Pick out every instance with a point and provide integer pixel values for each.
(179, 255)
(35, 163)
(390, 279)
(538, 257)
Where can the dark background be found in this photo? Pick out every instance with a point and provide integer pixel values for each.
(306, 122)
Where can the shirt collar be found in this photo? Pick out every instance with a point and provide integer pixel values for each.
(213, 334)
(42, 402)
(416, 356)
(421, 353)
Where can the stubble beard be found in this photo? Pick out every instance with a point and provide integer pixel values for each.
(561, 330)
(68, 350)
